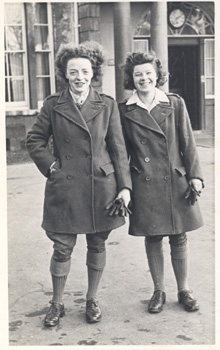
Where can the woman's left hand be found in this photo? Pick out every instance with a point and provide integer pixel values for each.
(197, 185)
(119, 206)
(125, 195)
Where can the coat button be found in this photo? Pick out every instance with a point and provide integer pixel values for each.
(89, 157)
(67, 139)
(69, 156)
(147, 159)
(166, 177)
(143, 141)
(69, 177)
(163, 139)
(147, 178)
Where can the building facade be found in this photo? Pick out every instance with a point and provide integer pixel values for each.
(34, 32)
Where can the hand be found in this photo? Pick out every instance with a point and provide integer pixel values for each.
(125, 196)
(194, 190)
(197, 185)
(117, 206)
(55, 166)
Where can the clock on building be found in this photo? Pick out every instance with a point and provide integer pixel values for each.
(177, 18)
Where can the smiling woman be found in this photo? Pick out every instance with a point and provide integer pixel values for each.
(79, 73)
(87, 174)
(165, 171)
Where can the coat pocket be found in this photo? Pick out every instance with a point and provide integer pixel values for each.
(107, 168)
(181, 170)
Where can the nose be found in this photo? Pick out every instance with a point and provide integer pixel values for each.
(80, 75)
(144, 76)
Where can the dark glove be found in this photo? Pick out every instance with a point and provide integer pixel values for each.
(117, 207)
(191, 195)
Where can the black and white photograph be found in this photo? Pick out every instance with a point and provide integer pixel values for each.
(109, 174)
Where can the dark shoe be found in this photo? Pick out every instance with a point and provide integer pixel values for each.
(56, 311)
(157, 301)
(93, 311)
(186, 298)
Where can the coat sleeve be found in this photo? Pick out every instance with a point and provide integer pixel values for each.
(188, 144)
(117, 149)
(37, 140)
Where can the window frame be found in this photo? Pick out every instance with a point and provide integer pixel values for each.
(206, 76)
(31, 102)
(14, 105)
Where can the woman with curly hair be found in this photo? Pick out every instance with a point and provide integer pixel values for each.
(165, 171)
(87, 172)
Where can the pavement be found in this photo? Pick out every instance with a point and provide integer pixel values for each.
(126, 286)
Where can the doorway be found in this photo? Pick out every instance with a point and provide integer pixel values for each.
(184, 78)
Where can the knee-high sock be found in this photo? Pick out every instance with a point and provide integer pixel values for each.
(179, 258)
(59, 272)
(156, 263)
(95, 265)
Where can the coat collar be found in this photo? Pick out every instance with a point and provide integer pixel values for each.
(90, 109)
(151, 120)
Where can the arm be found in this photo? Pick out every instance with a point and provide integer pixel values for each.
(37, 141)
(118, 154)
(188, 145)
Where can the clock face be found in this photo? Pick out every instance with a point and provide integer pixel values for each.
(177, 18)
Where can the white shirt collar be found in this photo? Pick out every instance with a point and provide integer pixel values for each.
(79, 99)
(160, 96)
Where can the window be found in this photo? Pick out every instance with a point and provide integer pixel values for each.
(29, 67)
(16, 90)
(43, 51)
(140, 45)
(209, 68)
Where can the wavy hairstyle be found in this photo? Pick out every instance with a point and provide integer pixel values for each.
(88, 49)
(137, 58)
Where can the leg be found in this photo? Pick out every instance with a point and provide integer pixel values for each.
(96, 259)
(154, 251)
(180, 263)
(59, 268)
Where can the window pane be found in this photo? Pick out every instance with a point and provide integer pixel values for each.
(41, 13)
(42, 64)
(43, 88)
(41, 38)
(17, 89)
(13, 13)
(140, 45)
(14, 38)
(210, 88)
(210, 66)
(15, 64)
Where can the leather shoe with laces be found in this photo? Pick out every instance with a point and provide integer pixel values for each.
(186, 298)
(157, 301)
(54, 313)
(93, 311)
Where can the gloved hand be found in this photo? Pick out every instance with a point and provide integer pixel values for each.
(117, 207)
(194, 190)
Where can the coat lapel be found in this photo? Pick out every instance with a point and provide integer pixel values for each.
(152, 119)
(92, 106)
(66, 107)
(89, 110)
(161, 111)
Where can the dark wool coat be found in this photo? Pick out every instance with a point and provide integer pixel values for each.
(94, 165)
(163, 158)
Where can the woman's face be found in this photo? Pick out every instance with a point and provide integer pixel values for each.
(79, 73)
(145, 77)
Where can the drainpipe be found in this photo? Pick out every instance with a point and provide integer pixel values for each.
(159, 40)
(122, 44)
